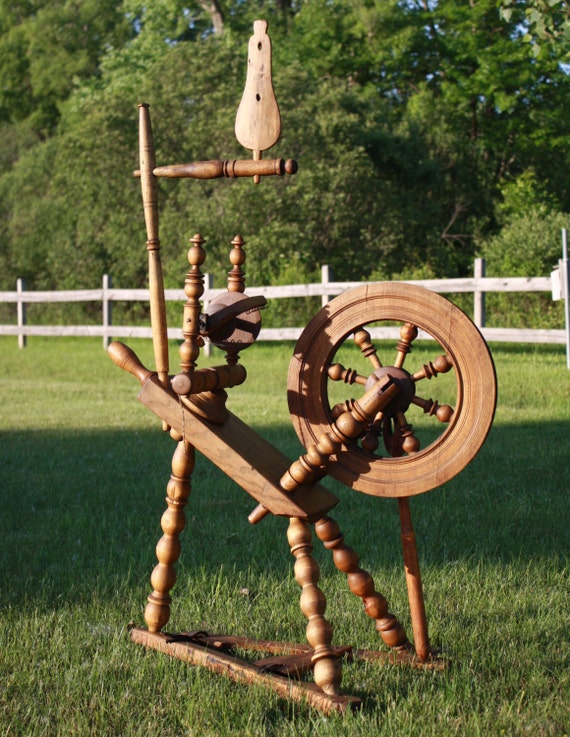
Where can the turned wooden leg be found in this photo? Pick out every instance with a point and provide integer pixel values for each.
(327, 670)
(361, 584)
(163, 577)
(414, 581)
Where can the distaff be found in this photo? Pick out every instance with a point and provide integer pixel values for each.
(147, 160)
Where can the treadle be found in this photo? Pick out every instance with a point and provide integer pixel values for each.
(239, 670)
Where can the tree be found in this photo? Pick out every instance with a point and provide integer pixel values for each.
(408, 120)
(47, 50)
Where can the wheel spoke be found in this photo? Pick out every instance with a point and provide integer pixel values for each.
(441, 365)
(371, 439)
(410, 443)
(443, 412)
(337, 372)
(362, 340)
(408, 333)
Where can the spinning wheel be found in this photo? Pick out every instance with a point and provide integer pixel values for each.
(387, 459)
(366, 443)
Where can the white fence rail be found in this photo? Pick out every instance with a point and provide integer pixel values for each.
(478, 285)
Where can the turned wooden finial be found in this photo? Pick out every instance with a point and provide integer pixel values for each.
(193, 289)
(236, 277)
(408, 333)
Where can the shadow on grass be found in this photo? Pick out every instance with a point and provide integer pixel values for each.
(83, 509)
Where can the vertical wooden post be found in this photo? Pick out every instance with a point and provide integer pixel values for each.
(327, 670)
(157, 612)
(414, 581)
(326, 278)
(193, 289)
(21, 310)
(479, 296)
(208, 285)
(565, 284)
(107, 311)
(149, 191)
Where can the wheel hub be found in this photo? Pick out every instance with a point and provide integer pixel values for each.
(406, 387)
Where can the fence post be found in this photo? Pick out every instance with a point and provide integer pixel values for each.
(21, 311)
(479, 296)
(326, 278)
(107, 311)
(565, 284)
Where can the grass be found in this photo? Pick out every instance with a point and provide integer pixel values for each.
(83, 469)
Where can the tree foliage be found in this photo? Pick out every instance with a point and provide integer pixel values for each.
(410, 120)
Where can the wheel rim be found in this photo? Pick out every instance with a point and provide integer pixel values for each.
(470, 364)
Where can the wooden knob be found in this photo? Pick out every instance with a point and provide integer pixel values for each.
(127, 359)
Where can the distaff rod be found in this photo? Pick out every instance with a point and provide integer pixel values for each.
(147, 159)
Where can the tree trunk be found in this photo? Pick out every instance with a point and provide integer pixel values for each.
(214, 10)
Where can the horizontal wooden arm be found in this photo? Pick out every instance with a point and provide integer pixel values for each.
(230, 169)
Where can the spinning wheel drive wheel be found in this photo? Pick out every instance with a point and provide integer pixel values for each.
(390, 459)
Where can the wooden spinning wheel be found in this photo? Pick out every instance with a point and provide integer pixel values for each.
(366, 443)
(387, 459)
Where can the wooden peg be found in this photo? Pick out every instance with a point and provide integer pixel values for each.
(258, 121)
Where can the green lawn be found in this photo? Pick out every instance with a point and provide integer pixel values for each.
(83, 473)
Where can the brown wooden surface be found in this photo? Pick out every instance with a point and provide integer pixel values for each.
(155, 279)
(327, 669)
(232, 168)
(246, 457)
(414, 581)
(242, 671)
(173, 521)
(258, 121)
(465, 349)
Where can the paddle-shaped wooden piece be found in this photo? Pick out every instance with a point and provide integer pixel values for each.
(258, 121)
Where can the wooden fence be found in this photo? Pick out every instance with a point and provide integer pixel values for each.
(478, 285)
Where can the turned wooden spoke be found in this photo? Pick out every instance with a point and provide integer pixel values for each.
(410, 443)
(163, 578)
(398, 435)
(442, 412)
(408, 333)
(362, 340)
(441, 365)
(370, 441)
(337, 372)
(193, 289)
(348, 426)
